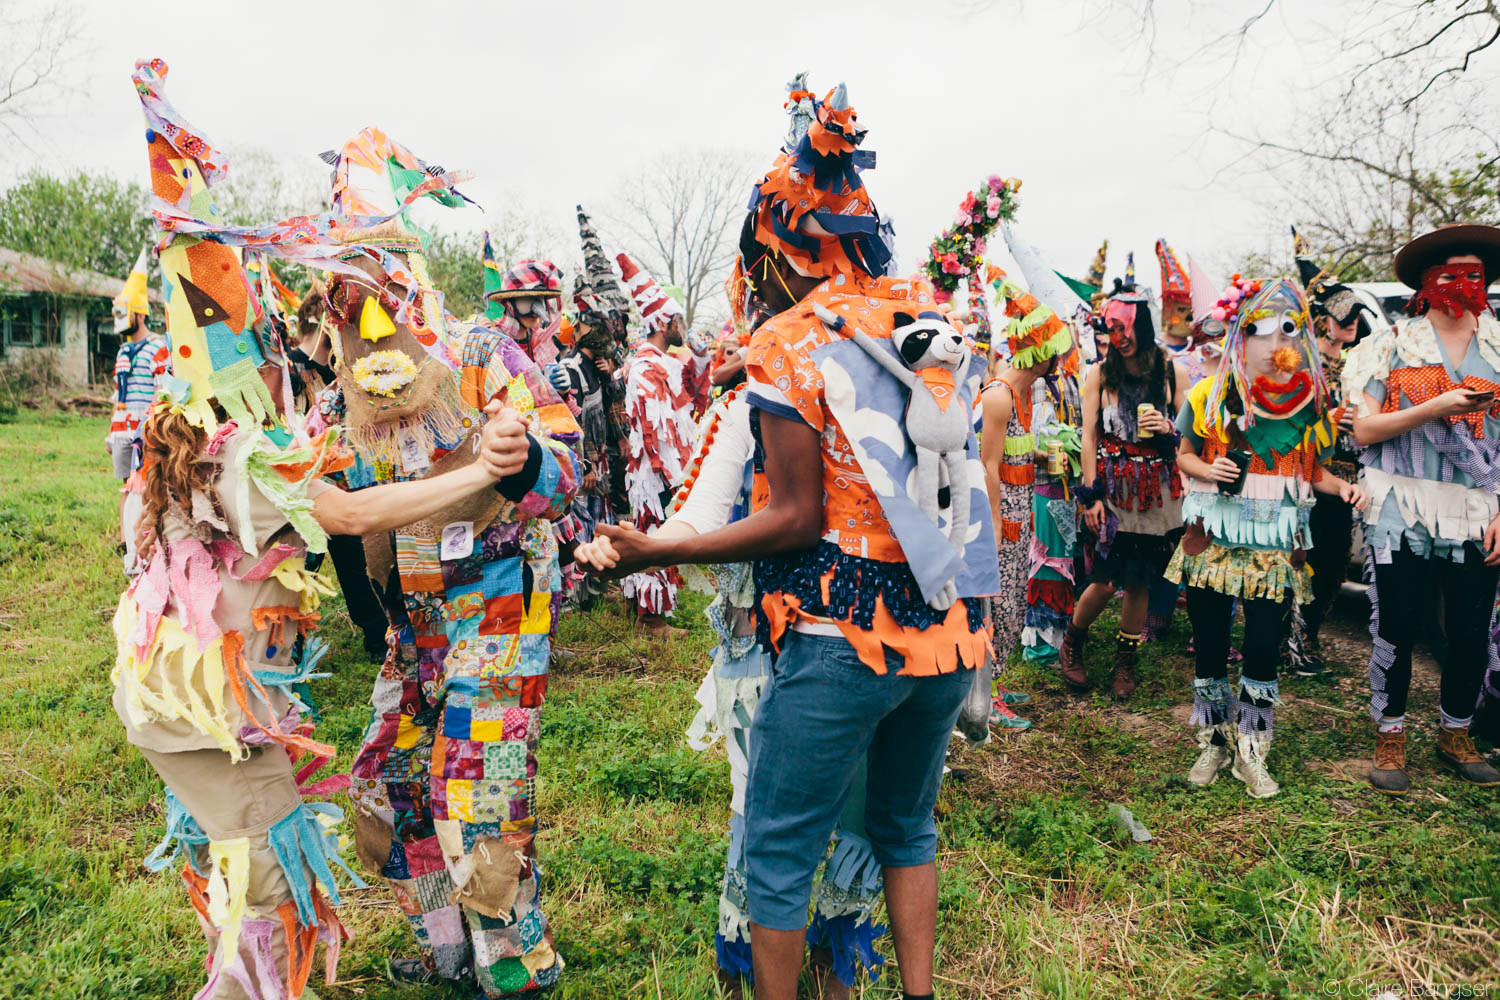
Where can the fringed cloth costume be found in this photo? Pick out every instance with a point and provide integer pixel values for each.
(139, 367)
(1331, 524)
(1057, 414)
(1017, 474)
(1433, 491)
(663, 397)
(214, 644)
(215, 654)
(845, 897)
(445, 779)
(590, 394)
(850, 615)
(1251, 546)
(1141, 488)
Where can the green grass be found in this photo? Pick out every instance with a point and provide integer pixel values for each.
(1042, 894)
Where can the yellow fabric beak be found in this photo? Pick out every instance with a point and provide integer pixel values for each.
(374, 322)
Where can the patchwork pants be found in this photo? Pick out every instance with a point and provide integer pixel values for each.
(444, 786)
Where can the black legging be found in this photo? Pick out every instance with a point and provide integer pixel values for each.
(1468, 590)
(1212, 615)
(1331, 523)
(348, 552)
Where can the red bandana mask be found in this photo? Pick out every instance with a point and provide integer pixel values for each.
(1465, 293)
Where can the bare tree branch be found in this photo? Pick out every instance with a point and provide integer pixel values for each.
(36, 45)
(679, 218)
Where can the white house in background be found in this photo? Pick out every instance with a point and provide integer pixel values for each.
(47, 306)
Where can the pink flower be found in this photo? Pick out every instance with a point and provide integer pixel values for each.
(979, 247)
(996, 181)
(950, 264)
(992, 206)
(941, 296)
(968, 203)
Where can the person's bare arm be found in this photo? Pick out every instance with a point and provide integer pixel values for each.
(1378, 427)
(995, 404)
(504, 446)
(725, 373)
(792, 518)
(1220, 470)
(1089, 457)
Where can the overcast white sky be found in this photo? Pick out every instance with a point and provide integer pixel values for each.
(552, 104)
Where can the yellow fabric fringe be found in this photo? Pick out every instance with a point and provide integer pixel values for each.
(1238, 572)
(228, 883)
(193, 681)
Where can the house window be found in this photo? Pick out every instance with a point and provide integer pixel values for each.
(32, 323)
(47, 317)
(20, 324)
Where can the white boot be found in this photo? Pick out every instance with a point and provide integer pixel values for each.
(1250, 766)
(1212, 757)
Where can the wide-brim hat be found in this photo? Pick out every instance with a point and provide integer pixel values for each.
(1449, 241)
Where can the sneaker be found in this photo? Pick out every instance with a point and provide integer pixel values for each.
(1456, 749)
(1212, 758)
(1012, 697)
(1307, 658)
(410, 972)
(1250, 767)
(1001, 717)
(1388, 770)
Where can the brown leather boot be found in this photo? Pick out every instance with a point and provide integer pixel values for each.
(1456, 749)
(1070, 658)
(1127, 649)
(1388, 770)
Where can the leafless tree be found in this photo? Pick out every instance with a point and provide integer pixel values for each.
(38, 42)
(1414, 46)
(679, 217)
(1369, 176)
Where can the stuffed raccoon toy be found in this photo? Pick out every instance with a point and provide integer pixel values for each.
(932, 355)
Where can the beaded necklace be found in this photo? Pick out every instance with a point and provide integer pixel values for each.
(705, 441)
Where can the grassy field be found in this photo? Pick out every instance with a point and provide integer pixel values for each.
(1326, 890)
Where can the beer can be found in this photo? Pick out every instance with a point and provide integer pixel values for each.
(1057, 463)
(1141, 411)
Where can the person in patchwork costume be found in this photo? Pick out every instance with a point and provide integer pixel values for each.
(445, 780)
(1253, 440)
(215, 638)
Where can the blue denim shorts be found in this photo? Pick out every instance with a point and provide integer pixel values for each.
(822, 713)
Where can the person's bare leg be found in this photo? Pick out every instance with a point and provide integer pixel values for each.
(778, 959)
(1091, 603)
(911, 901)
(1133, 609)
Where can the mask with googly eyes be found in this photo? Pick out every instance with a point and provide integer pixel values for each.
(1274, 337)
